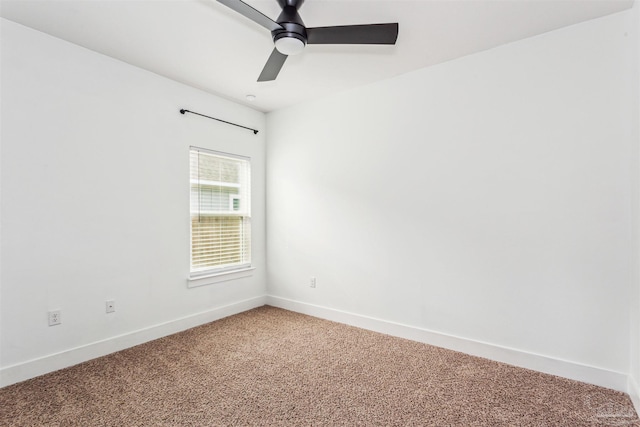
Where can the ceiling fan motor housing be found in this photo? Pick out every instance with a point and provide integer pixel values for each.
(292, 26)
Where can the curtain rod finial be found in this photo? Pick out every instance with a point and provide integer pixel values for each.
(182, 111)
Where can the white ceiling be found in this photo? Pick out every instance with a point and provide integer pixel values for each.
(206, 45)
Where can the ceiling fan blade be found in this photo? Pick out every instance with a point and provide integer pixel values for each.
(273, 66)
(354, 34)
(244, 9)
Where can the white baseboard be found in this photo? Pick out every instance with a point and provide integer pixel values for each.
(562, 368)
(33, 368)
(575, 371)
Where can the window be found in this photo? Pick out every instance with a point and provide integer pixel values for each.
(220, 212)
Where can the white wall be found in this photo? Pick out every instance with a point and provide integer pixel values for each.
(634, 300)
(95, 202)
(486, 198)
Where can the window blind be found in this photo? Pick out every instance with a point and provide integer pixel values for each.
(220, 207)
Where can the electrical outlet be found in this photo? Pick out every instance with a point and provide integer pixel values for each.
(111, 306)
(55, 317)
(312, 282)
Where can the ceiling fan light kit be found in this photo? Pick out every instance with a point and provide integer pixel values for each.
(290, 35)
(289, 45)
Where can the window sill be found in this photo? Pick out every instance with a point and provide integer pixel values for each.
(210, 279)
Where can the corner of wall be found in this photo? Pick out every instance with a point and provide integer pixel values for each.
(634, 338)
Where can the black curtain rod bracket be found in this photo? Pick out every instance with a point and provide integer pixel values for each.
(182, 111)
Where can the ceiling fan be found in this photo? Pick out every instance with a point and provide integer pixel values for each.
(291, 36)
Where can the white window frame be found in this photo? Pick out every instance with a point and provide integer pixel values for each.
(205, 276)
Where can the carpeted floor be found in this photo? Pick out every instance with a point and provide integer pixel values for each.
(273, 367)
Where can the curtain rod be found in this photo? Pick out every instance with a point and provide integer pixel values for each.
(182, 111)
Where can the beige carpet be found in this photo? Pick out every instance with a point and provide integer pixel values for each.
(272, 367)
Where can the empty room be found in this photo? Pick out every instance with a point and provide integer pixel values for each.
(320, 212)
